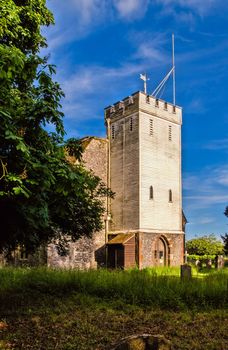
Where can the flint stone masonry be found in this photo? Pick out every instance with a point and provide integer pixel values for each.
(86, 253)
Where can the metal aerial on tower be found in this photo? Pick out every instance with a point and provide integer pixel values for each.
(145, 78)
(161, 85)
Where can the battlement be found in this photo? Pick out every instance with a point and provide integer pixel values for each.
(139, 101)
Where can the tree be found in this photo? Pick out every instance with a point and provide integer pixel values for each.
(226, 211)
(225, 237)
(41, 193)
(204, 246)
(225, 241)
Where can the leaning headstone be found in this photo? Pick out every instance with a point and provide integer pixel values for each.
(219, 261)
(144, 342)
(198, 264)
(186, 271)
(209, 263)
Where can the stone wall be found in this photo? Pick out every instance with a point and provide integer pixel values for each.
(87, 252)
(19, 258)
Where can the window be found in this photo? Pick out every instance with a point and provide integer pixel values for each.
(131, 124)
(113, 131)
(174, 109)
(148, 99)
(170, 133)
(170, 196)
(157, 103)
(151, 127)
(151, 192)
(165, 106)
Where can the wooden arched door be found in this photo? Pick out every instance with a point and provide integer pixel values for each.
(161, 252)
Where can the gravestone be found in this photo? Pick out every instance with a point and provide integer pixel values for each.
(209, 263)
(186, 271)
(219, 261)
(144, 342)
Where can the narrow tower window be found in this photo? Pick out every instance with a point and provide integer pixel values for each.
(151, 192)
(131, 124)
(151, 127)
(157, 103)
(165, 106)
(170, 196)
(113, 131)
(170, 133)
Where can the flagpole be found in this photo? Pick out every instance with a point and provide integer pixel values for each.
(174, 75)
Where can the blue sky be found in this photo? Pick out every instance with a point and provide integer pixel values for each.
(101, 46)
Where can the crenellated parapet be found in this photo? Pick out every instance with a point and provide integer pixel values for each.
(139, 101)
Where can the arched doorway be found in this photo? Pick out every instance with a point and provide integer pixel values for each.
(161, 252)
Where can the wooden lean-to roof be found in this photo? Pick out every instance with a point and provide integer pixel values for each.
(121, 238)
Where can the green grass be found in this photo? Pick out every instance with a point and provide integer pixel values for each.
(161, 288)
(63, 310)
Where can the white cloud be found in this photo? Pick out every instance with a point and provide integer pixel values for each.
(217, 145)
(207, 188)
(201, 7)
(75, 19)
(196, 106)
(131, 9)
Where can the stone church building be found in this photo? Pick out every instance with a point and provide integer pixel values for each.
(140, 160)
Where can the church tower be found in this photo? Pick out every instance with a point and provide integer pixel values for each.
(144, 171)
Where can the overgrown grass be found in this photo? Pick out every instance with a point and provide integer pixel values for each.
(160, 288)
(92, 310)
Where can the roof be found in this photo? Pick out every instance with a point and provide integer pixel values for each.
(121, 238)
(87, 139)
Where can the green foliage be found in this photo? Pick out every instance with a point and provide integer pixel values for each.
(225, 241)
(225, 237)
(202, 258)
(204, 246)
(41, 193)
(226, 211)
